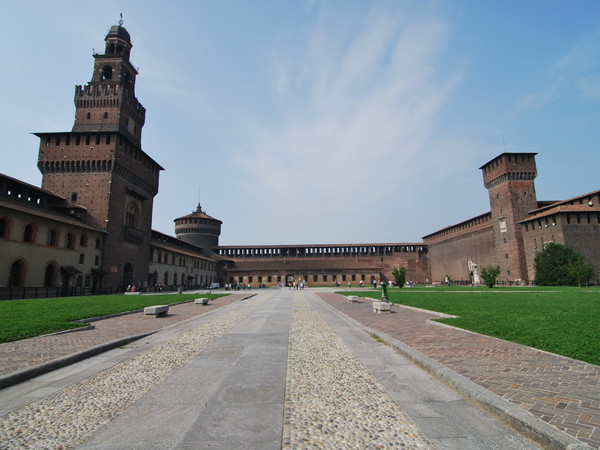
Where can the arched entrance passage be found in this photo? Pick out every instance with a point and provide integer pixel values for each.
(289, 280)
(50, 275)
(127, 275)
(16, 274)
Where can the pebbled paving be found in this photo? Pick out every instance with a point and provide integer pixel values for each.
(558, 390)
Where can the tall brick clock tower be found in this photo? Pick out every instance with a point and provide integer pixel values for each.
(100, 164)
(509, 179)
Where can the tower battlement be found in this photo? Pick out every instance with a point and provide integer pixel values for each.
(509, 167)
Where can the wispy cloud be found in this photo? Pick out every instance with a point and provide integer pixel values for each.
(577, 69)
(358, 110)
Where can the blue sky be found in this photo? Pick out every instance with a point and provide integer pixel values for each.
(307, 121)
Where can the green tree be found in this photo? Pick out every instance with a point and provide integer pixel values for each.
(582, 273)
(399, 275)
(489, 275)
(560, 265)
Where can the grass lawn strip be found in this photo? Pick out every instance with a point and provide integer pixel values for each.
(558, 320)
(21, 319)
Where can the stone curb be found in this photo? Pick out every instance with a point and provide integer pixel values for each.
(523, 422)
(31, 372)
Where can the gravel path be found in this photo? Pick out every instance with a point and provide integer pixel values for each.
(332, 401)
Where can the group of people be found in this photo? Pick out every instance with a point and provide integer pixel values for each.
(294, 285)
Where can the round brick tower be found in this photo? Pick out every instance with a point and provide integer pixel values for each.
(199, 229)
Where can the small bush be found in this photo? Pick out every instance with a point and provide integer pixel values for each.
(489, 275)
(399, 275)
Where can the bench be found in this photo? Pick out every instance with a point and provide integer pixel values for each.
(381, 306)
(201, 301)
(353, 298)
(156, 310)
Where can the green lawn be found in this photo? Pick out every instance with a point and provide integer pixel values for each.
(20, 319)
(560, 320)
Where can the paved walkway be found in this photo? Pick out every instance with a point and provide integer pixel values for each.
(560, 391)
(201, 400)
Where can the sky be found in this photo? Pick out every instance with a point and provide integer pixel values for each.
(317, 121)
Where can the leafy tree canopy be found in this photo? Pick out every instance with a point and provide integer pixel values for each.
(559, 265)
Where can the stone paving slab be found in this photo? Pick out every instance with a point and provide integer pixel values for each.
(558, 390)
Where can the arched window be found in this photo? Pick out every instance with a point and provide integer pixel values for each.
(107, 72)
(29, 233)
(132, 215)
(69, 241)
(50, 275)
(166, 279)
(83, 240)
(4, 228)
(175, 278)
(52, 238)
(16, 276)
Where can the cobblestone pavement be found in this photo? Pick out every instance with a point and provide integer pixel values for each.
(332, 401)
(560, 391)
(32, 352)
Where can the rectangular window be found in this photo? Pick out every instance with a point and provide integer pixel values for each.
(87, 281)
(324, 277)
(315, 278)
(87, 139)
(81, 258)
(97, 261)
(502, 225)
